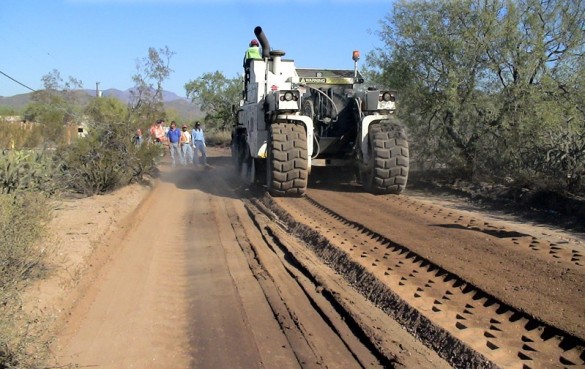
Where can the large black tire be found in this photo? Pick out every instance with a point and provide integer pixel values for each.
(287, 162)
(238, 148)
(387, 169)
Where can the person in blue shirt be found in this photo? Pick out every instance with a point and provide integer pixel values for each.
(198, 140)
(174, 136)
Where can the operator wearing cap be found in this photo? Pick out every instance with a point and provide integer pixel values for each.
(252, 53)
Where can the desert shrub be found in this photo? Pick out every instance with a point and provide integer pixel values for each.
(23, 216)
(557, 155)
(27, 170)
(106, 159)
(144, 159)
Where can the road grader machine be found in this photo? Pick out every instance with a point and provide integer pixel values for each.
(292, 121)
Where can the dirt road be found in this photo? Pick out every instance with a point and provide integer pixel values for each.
(210, 275)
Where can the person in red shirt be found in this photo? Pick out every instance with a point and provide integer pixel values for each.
(157, 132)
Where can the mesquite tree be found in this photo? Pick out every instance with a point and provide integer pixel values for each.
(482, 82)
(216, 95)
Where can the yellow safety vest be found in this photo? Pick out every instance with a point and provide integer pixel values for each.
(253, 52)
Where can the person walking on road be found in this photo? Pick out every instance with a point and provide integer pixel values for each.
(157, 132)
(198, 139)
(186, 148)
(158, 135)
(174, 136)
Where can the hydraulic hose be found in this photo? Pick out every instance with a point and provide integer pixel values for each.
(315, 138)
(325, 95)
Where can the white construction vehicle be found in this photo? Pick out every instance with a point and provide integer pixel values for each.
(291, 121)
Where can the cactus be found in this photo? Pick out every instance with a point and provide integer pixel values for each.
(26, 170)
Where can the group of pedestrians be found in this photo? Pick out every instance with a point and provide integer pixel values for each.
(184, 146)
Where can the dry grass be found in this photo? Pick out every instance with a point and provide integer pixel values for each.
(22, 224)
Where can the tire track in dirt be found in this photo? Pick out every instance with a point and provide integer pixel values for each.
(306, 325)
(506, 337)
(363, 326)
(548, 288)
(560, 250)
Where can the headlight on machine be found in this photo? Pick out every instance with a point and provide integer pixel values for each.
(386, 100)
(375, 100)
(386, 96)
(288, 100)
(289, 96)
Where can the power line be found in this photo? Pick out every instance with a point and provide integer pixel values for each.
(20, 83)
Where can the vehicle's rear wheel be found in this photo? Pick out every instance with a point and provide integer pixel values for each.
(287, 162)
(386, 171)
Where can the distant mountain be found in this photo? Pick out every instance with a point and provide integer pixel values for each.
(125, 95)
(183, 107)
(17, 101)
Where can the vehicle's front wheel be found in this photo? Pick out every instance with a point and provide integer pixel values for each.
(287, 161)
(386, 171)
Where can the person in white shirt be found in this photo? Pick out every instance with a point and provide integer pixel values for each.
(198, 140)
(186, 146)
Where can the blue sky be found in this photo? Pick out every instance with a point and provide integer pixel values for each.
(100, 40)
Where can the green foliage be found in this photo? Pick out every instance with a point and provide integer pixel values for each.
(27, 171)
(8, 111)
(482, 82)
(23, 217)
(106, 109)
(55, 107)
(216, 95)
(51, 117)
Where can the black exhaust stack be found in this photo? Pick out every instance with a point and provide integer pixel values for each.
(263, 42)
